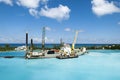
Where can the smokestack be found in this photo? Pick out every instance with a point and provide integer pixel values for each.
(31, 44)
(27, 41)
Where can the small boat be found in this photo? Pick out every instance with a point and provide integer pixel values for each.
(66, 52)
(9, 57)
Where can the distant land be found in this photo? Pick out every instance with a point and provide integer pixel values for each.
(12, 46)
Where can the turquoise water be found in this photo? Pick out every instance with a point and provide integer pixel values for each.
(97, 65)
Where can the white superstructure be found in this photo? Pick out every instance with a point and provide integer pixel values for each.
(21, 48)
(66, 49)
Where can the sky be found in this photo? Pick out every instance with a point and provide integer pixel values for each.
(97, 20)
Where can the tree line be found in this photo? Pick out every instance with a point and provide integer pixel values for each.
(7, 47)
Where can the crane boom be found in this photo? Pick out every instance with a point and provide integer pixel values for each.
(75, 38)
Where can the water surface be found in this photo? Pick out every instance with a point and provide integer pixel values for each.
(97, 65)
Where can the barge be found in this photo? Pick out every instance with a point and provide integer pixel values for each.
(65, 51)
(61, 54)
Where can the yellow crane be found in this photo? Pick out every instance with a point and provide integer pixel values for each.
(75, 38)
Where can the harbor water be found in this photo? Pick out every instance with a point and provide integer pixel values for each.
(96, 65)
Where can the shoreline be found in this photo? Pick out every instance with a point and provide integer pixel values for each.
(25, 51)
(10, 47)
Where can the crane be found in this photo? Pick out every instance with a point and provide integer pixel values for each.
(75, 38)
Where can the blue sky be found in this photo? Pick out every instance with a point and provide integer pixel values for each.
(98, 20)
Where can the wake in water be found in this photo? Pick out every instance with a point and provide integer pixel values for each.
(104, 53)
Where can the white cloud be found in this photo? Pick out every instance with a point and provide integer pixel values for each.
(37, 39)
(119, 23)
(48, 28)
(33, 12)
(81, 30)
(67, 29)
(60, 13)
(103, 7)
(29, 3)
(32, 5)
(4, 39)
(49, 40)
(9, 2)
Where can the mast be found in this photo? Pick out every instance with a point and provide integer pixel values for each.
(43, 38)
(61, 42)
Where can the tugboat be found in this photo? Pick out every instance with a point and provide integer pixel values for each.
(67, 52)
